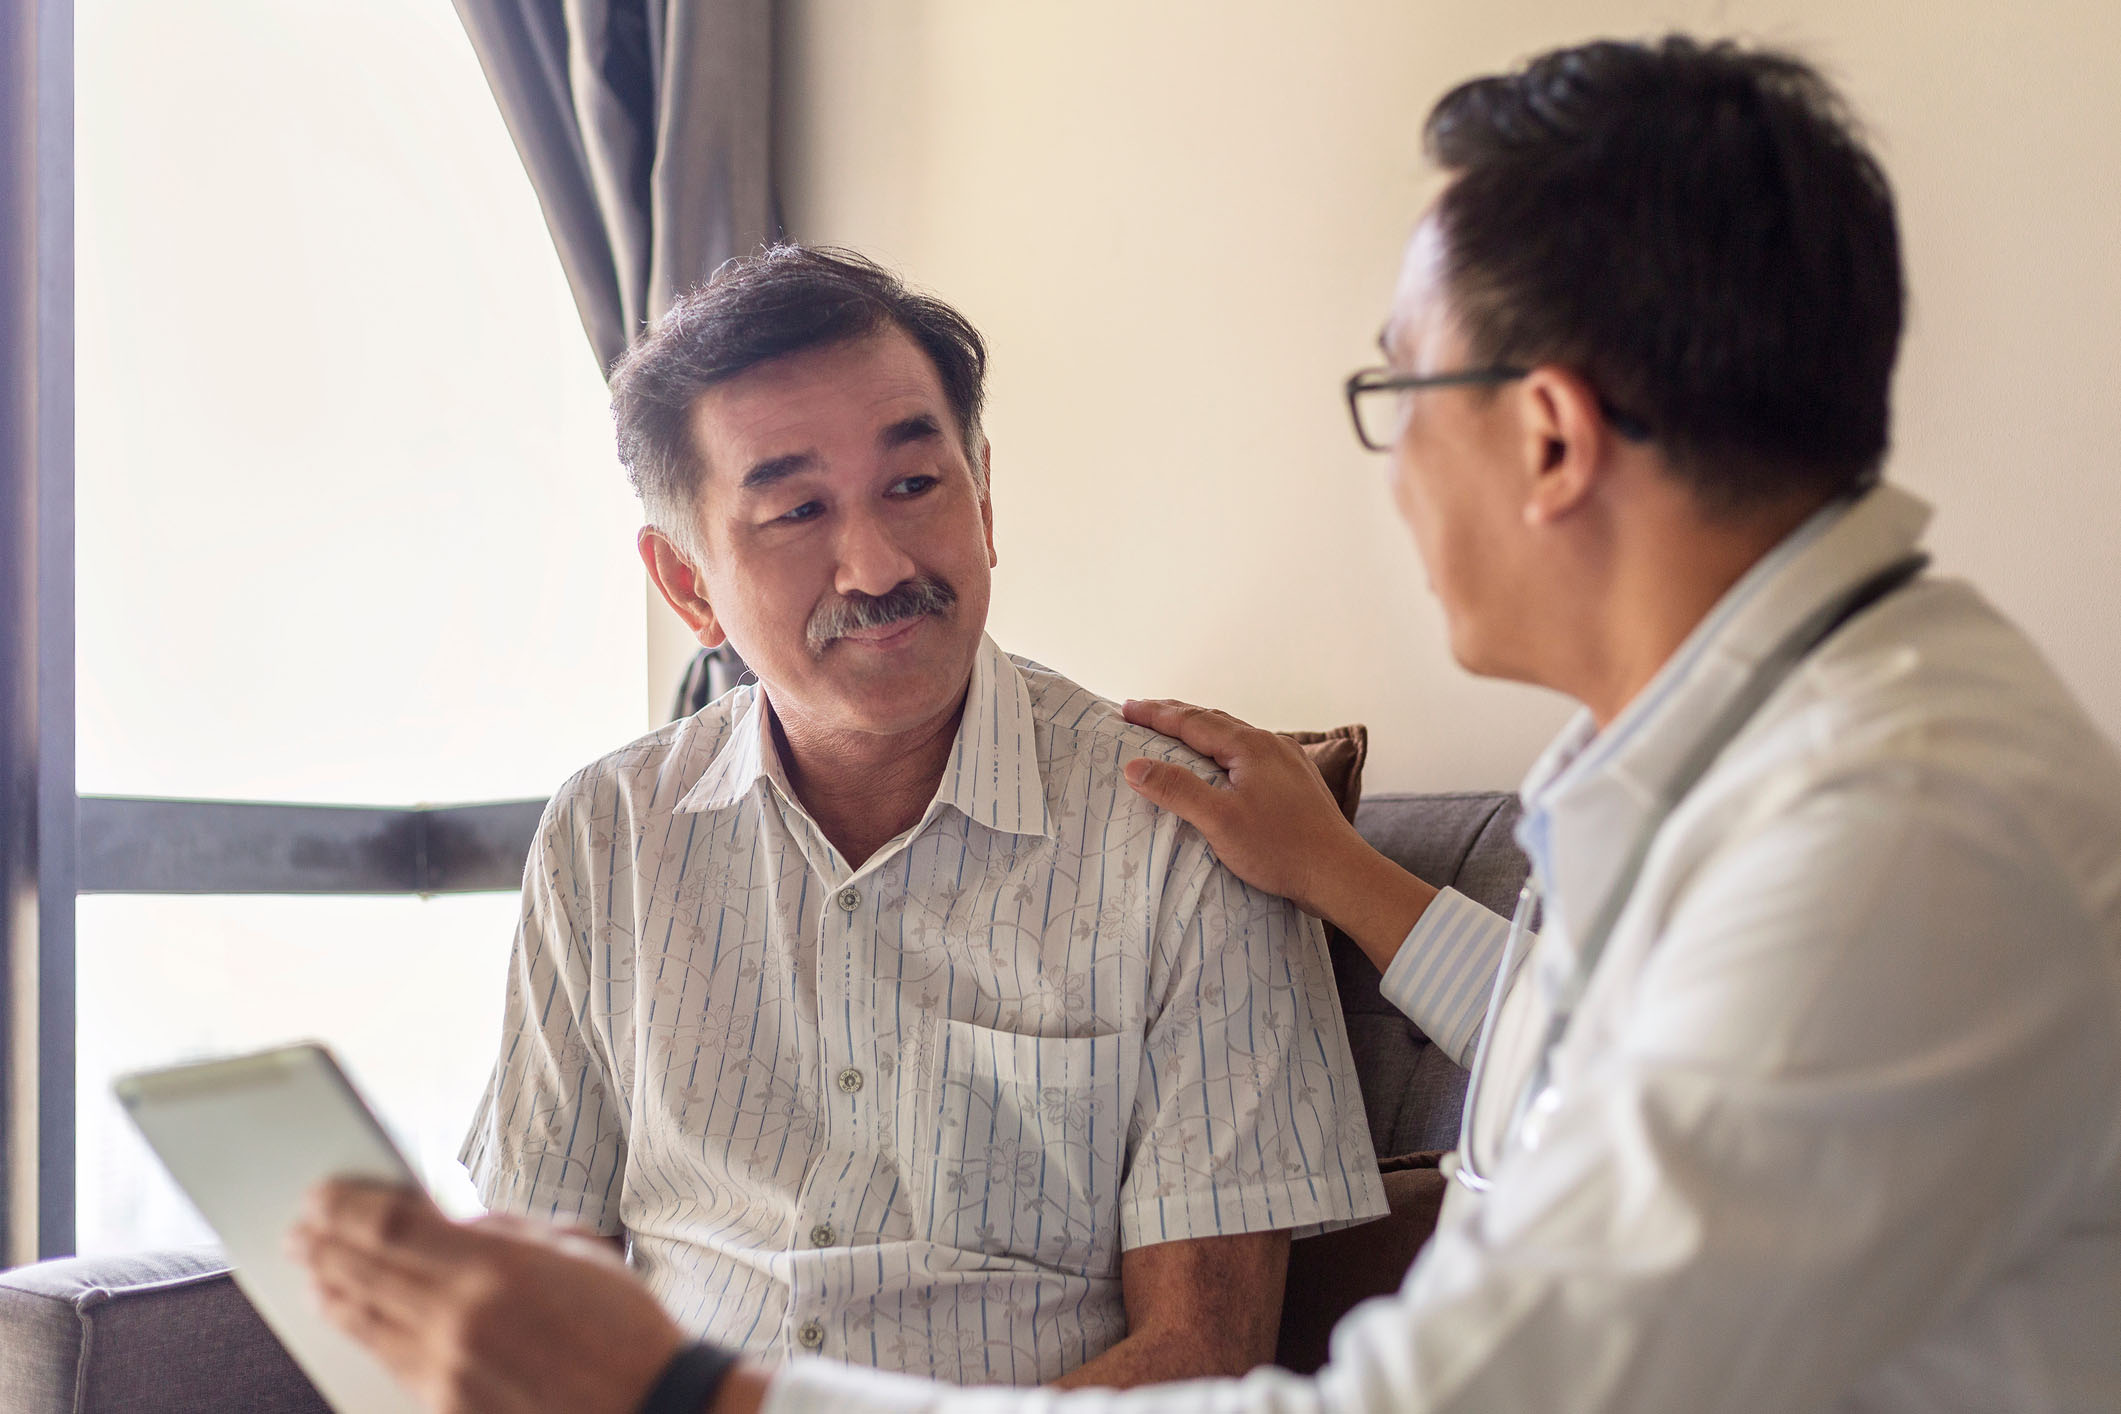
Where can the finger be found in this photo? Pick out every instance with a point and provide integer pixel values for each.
(1142, 710)
(380, 1218)
(1211, 733)
(391, 1340)
(375, 1280)
(1163, 714)
(1176, 789)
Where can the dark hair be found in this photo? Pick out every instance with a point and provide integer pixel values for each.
(1699, 232)
(784, 300)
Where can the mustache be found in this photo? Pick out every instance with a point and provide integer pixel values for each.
(836, 618)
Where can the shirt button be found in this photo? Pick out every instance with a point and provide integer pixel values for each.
(849, 898)
(810, 1335)
(822, 1235)
(850, 1080)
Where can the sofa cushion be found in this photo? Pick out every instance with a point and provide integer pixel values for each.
(163, 1331)
(1338, 754)
(1412, 1092)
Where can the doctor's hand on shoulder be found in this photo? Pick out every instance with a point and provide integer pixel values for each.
(1276, 825)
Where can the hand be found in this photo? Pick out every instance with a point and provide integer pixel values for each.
(497, 1316)
(1277, 827)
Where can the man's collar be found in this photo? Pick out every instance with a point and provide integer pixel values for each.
(742, 761)
(1590, 792)
(992, 775)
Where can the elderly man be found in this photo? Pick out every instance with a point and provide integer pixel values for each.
(1807, 1092)
(869, 1006)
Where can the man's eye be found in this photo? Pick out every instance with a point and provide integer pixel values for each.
(809, 510)
(912, 485)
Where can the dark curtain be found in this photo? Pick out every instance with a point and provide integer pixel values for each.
(646, 128)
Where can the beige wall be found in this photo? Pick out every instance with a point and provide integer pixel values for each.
(1177, 222)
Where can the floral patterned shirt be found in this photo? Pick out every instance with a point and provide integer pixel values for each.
(909, 1115)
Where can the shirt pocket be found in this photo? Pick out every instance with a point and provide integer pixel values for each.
(1029, 1142)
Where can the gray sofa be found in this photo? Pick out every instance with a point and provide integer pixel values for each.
(168, 1331)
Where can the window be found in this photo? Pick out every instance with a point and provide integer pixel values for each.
(407, 990)
(350, 524)
(349, 531)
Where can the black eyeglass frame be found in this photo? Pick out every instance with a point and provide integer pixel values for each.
(1384, 380)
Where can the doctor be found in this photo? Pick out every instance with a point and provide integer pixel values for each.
(1799, 1083)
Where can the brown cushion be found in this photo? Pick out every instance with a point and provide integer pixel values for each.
(1332, 1272)
(1338, 754)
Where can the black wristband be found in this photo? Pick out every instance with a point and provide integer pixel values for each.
(690, 1381)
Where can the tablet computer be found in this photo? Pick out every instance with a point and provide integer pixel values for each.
(246, 1138)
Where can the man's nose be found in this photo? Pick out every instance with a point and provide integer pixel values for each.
(871, 560)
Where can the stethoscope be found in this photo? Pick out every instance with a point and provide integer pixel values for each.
(1540, 1096)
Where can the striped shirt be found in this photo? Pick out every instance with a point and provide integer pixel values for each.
(909, 1114)
(1444, 974)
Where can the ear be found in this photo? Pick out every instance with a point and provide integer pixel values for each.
(679, 582)
(986, 498)
(1567, 444)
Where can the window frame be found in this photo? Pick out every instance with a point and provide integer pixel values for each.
(36, 629)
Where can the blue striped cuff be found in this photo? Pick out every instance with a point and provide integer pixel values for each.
(1444, 973)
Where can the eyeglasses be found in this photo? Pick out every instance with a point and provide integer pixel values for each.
(1378, 405)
